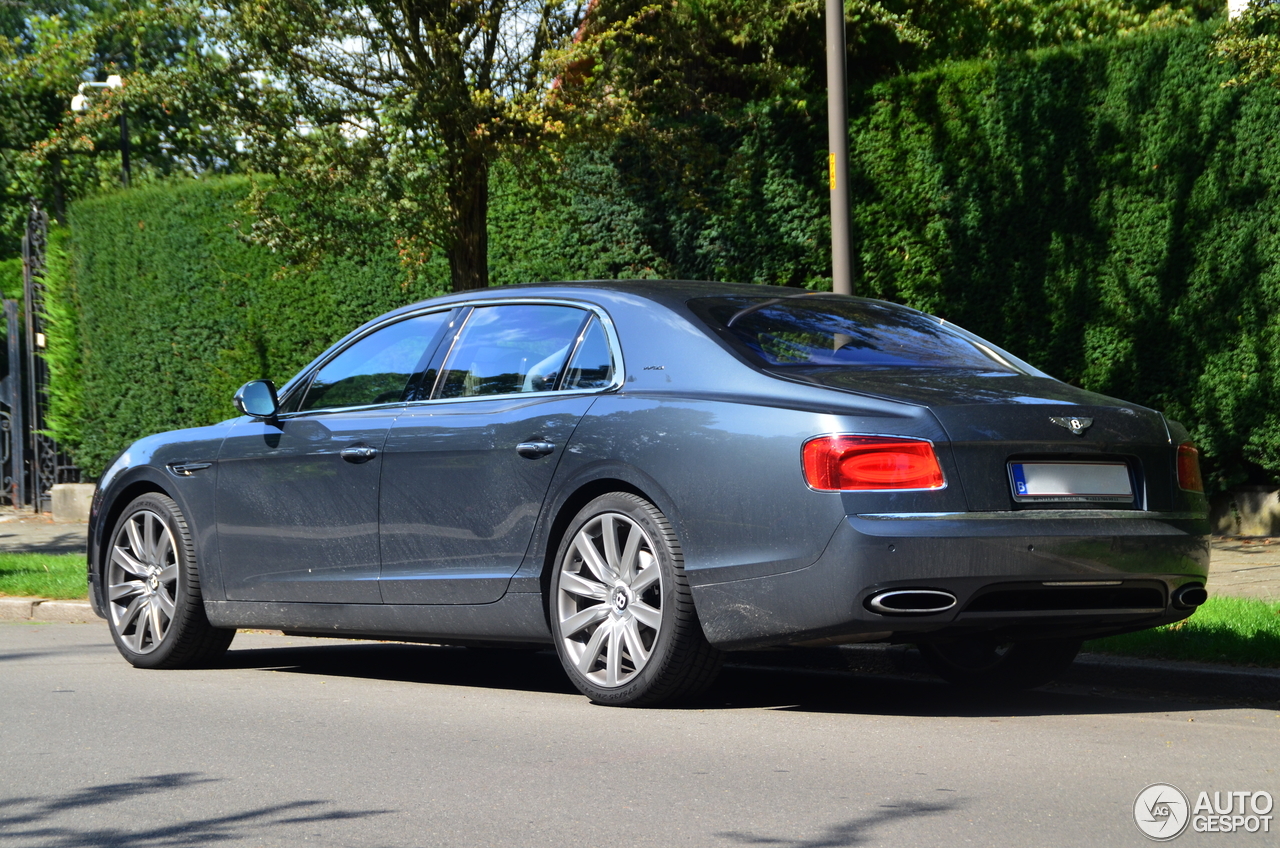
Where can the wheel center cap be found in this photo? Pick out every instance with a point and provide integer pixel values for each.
(621, 597)
(154, 582)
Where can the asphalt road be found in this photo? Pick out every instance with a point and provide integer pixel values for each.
(299, 742)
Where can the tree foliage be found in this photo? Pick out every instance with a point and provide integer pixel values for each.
(49, 47)
(394, 113)
(395, 109)
(715, 111)
(1251, 44)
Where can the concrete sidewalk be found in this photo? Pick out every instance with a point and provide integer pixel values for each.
(1245, 567)
(28, 532)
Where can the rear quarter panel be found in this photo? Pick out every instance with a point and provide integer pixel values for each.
(727, 473)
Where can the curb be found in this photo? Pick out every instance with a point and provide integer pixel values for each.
(1183, 678)
(41, 609)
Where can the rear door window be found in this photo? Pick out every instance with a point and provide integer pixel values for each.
(511, 349)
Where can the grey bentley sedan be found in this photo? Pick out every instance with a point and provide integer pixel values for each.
(649, 474)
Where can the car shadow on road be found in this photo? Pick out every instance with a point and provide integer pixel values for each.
(490, 668)
(58, 821)
(740, 685)
(852, 832)
(890, 695)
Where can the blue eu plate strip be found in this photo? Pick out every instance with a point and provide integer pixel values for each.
(1019, 479)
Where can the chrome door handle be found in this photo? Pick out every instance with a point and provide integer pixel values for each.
(359, 453)
(534, 450)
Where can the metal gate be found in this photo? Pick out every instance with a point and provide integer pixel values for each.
(31, 462)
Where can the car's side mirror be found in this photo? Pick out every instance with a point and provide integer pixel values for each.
(257, 399)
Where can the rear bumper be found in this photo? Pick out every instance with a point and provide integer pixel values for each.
(1114, 571)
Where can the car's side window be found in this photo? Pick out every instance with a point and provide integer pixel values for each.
(592, 364)
(377, 368)
(511, 348)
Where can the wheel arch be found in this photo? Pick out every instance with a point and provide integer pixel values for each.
(580, 492)
(566, 512)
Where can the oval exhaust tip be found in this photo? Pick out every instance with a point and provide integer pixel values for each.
(911, 602)
(1189, 597)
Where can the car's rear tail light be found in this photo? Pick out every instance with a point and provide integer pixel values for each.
(866, 463)
(1189, 468)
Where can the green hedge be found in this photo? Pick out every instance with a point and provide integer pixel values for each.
(11, 277)
(171, 310)
(1110, 213)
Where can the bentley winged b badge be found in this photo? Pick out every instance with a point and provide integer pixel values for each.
(1076, 425)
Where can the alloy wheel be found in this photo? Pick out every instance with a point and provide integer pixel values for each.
(609, 600)
(142, 581)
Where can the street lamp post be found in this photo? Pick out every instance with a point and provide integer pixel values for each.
(838, 152)
(80, 103)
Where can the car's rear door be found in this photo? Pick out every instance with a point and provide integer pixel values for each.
(466, 472)
(297, 497)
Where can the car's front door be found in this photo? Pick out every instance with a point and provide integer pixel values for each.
(297, 498)
(467, 471)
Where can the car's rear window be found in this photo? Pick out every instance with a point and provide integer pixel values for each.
(838, 330)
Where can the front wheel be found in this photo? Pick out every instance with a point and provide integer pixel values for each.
(621, 612)
(988, 663)
(152, 588)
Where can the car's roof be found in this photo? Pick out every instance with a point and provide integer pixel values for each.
(668, 292)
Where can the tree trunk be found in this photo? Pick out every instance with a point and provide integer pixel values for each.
(469, 210)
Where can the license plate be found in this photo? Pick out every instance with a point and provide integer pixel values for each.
(1070, 481)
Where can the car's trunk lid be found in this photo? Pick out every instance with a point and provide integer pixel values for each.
(994, 418)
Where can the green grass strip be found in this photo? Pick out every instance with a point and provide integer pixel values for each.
(57, 576)
(1235, 631)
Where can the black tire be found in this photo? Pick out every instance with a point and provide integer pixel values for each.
(986, 663)
(627, 660)
(157, 615)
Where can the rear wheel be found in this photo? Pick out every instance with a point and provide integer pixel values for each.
(621, 612)
(152, 589)
(988, 663)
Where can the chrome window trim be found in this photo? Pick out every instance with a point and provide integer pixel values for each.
(301, 385)
(337, 410)
(467, 312)
(414, 404)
